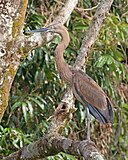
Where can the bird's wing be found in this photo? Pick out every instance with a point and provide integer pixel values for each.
(90, 90)
(89, 93)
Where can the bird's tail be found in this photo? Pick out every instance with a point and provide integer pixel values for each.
(104, 116)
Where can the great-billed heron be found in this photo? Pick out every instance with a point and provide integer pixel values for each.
(85, 89)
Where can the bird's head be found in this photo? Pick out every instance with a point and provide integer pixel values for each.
(56, 28)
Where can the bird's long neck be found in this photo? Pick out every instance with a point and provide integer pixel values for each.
(63, 68)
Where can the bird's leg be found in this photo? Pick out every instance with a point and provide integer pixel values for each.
(88, 123)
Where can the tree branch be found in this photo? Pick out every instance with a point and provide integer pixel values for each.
(52, 143)
(92, 32)
(12, 14)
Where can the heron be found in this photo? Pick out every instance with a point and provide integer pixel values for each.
(84, 88)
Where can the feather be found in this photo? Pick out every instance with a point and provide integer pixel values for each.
(90, 90)
(104, 116)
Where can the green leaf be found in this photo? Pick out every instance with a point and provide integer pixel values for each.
(41, 105)
(36, 77)
(125, 107)
(14, 142)
(16, 105)
(117, 54)
(21, 142)
(82, 114)
(80, 27)
(30, 107)
(101, 61)
(24, 109)
(41, 99)
(110, 59)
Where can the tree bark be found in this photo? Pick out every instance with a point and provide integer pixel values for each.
(50, 146)
(12, 14)
(52, 143)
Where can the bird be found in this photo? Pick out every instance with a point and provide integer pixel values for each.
(84, 88)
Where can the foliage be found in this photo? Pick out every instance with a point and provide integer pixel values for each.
(37, 88)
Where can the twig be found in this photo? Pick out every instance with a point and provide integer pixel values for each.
(87, 9)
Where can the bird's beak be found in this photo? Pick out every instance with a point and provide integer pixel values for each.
(50, 28)
(46, 29)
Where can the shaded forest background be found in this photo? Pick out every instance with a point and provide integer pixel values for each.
(37, 88)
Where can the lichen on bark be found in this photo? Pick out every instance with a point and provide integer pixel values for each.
(12, 14)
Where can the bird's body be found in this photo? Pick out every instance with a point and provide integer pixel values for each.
(85, 89)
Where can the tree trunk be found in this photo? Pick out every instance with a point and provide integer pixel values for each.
(12, 14)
